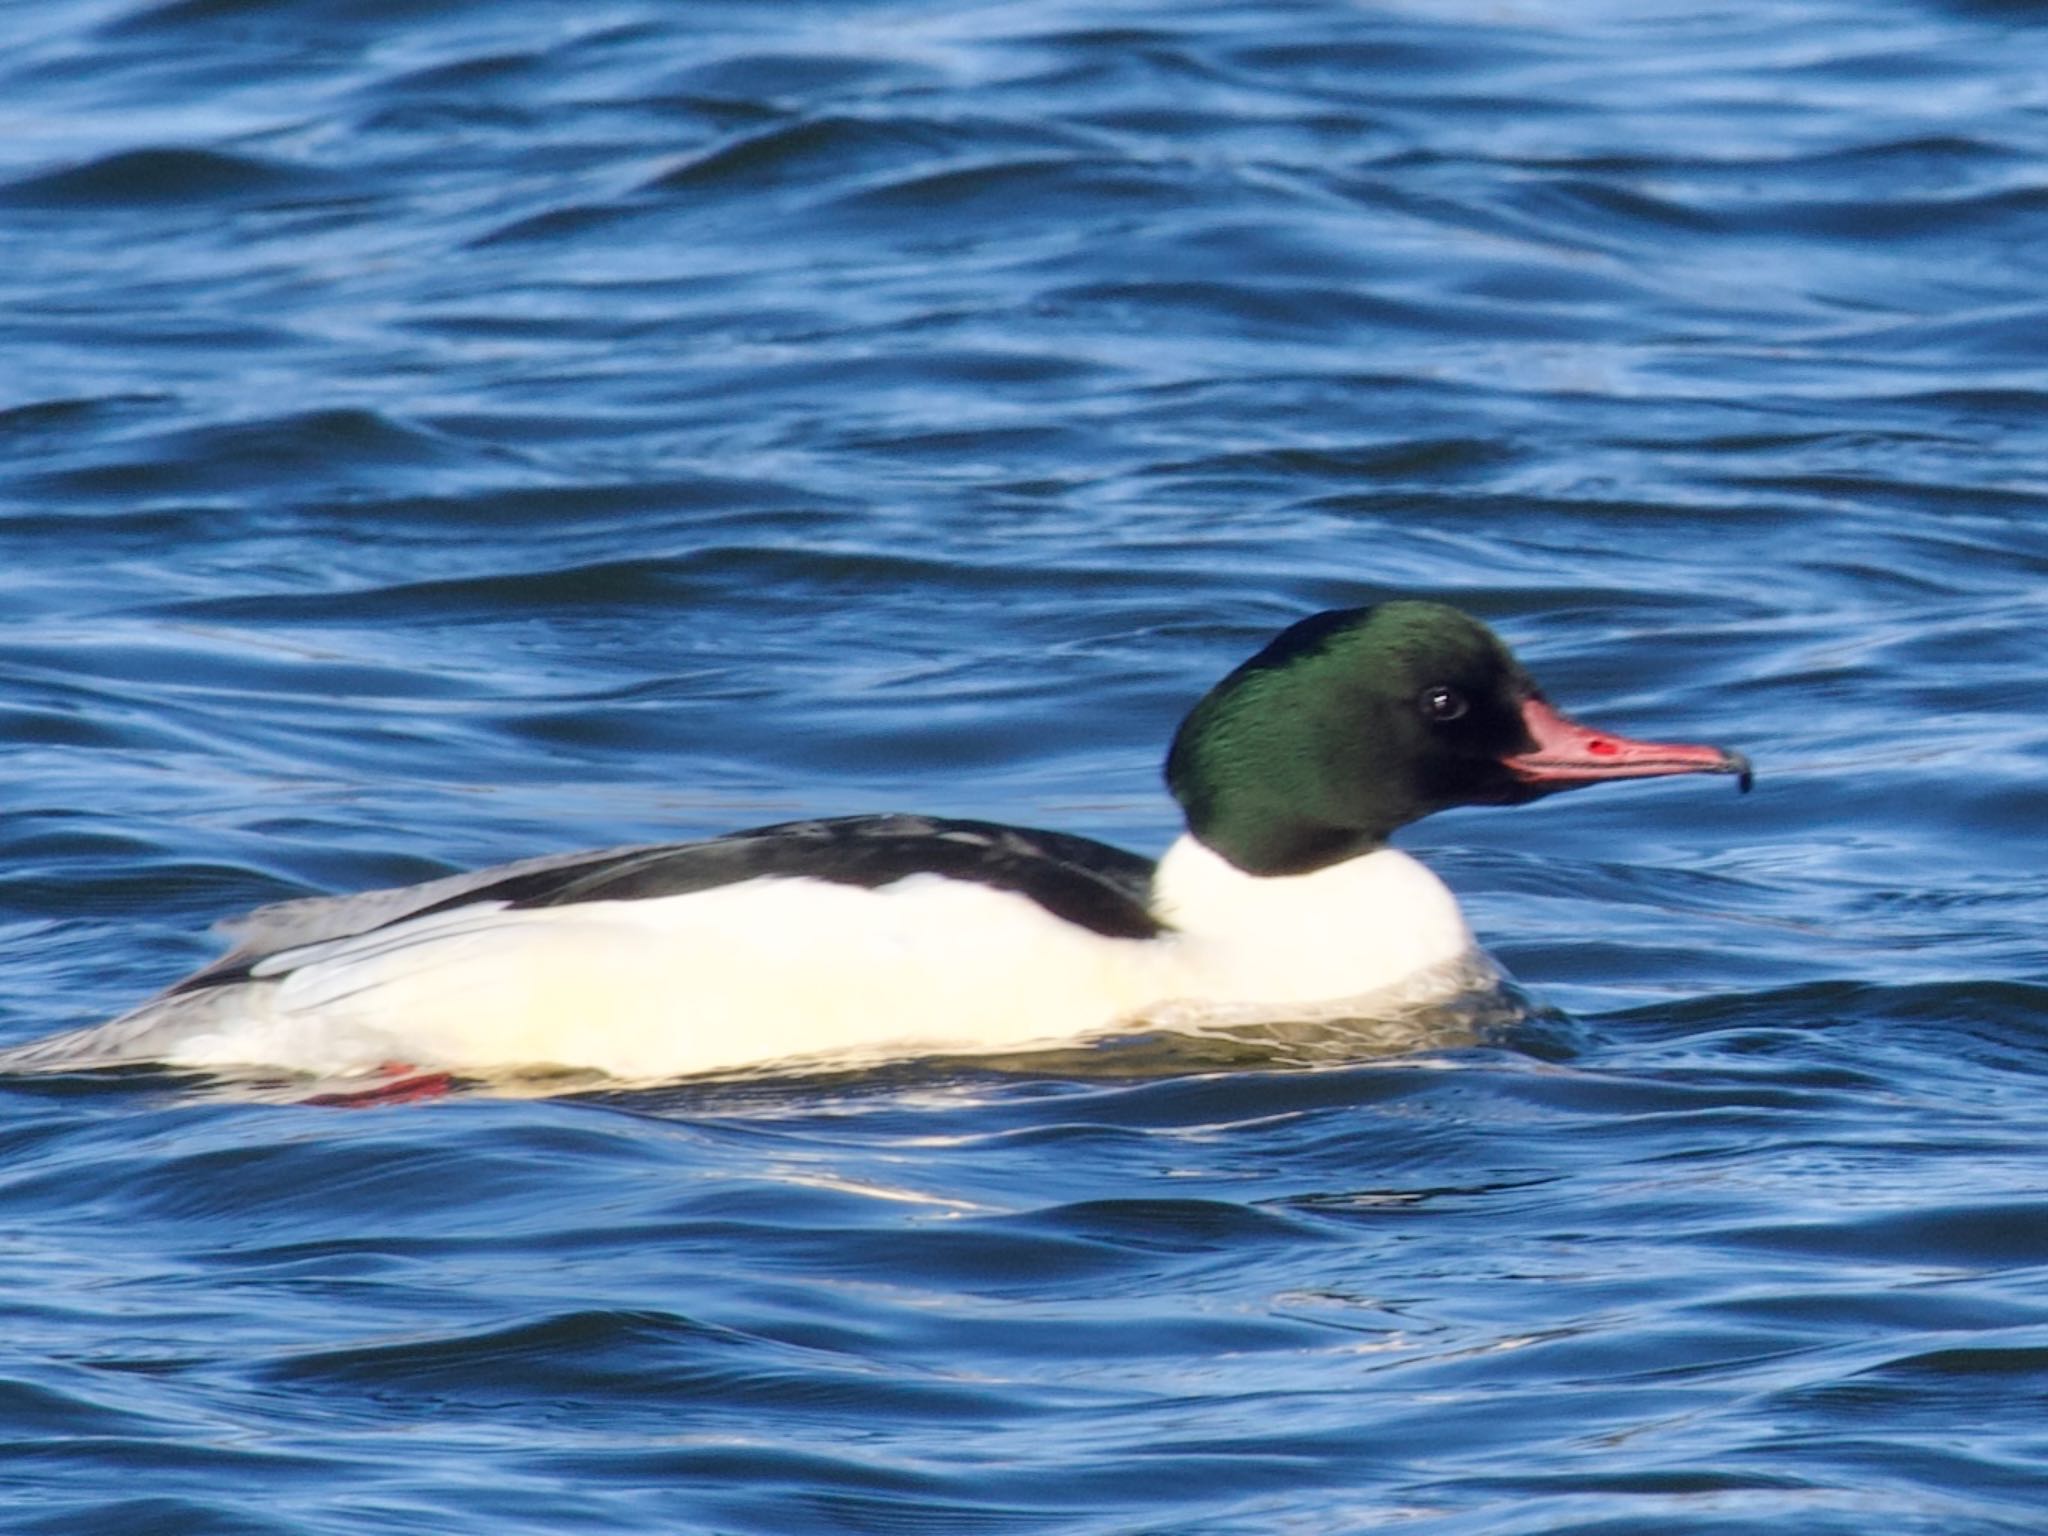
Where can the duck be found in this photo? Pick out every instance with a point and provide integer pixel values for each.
(896, 935)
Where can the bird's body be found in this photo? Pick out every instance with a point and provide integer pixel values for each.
(869, 936)
(787, 966)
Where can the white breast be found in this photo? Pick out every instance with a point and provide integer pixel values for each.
(1342, 932)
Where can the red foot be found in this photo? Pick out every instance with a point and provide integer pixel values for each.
(401, 1090)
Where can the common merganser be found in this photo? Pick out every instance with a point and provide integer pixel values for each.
(912, 934)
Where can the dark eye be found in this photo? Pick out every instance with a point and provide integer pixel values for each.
(1439, 703)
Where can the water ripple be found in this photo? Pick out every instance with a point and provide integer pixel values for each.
(445, 432)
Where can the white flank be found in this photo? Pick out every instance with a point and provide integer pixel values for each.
(773, 969)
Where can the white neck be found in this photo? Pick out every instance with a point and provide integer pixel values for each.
(1343, 931)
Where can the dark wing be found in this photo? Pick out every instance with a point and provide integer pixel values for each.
(1075, 878)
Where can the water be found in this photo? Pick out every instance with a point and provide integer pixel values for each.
(437, 433)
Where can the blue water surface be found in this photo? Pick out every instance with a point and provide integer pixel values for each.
(439, 431)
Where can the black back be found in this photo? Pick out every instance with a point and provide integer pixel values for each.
(1077, 879)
